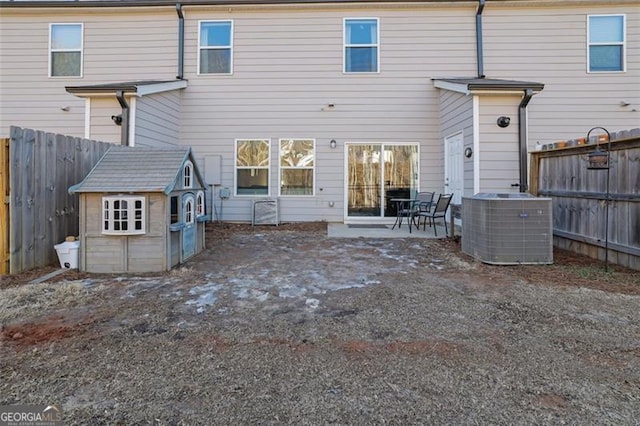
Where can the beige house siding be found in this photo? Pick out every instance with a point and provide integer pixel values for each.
(101, 125)
(157, 119)
(119, 45)
(549, 44)
(456, 115)
(499, 167)
(287, 67)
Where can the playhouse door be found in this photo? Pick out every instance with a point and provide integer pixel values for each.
(189, 231)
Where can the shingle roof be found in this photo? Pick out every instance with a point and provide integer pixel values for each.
(133, 169)
(493, 84)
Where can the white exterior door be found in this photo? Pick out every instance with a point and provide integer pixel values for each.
(454, 167)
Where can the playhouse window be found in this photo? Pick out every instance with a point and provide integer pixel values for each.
(188, 175)
(123, 215)
(200, 204)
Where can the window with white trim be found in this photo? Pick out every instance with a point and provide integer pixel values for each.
(606, 43)
(361, 49)
(123, 215)
(65, 50)
(200, 207)
(215, 47)
(187, 175)
(189, 210)
(297, 166)
(252, 166)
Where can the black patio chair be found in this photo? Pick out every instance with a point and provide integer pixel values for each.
(439, 211)
(423, 204)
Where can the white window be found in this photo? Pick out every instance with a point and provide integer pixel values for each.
(187, 175)
(297, 163)
(361, 50)
(65, 50)
(123, 215)
(189, 210)
(606, 43)
(200, 207)
(215, 47)
(252, 166)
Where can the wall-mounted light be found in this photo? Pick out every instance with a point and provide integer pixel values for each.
(65, 108)
(333, 143)
(468, 152)
(117, 119)
(503, 121)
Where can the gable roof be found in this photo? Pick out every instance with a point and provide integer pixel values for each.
(136, 169)
(139, 88)
(480, 85)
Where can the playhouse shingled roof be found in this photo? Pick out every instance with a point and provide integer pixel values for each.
(136, 169)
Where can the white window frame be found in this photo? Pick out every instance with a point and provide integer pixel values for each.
(281, 167)
(189, 210)
(623, 43)
(230, 46)
(52, 50)
(345, 45)
(200, 204)
(109, 216)
(187, 175)
(236, 168)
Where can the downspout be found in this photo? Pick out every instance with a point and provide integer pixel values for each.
(124, 132)
(479, 53)
(180, 75)
(522, 138)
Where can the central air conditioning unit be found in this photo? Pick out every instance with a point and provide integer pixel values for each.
(507, 229)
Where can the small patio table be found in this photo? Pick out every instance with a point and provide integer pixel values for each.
(403, 209)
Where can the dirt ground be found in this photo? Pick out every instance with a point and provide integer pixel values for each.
(281, 325)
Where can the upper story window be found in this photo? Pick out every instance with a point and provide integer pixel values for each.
(297, 162)
(252, 166)
(187, 175)
(606, 45)
(123, 215)
(65, 50)
(216, 47)
(361, 49)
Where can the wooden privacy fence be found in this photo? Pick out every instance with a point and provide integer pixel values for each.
(39, 169)
(579, 199)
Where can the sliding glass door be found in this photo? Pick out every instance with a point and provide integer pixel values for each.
(376, 173)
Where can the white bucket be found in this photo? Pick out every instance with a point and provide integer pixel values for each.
(68, 254)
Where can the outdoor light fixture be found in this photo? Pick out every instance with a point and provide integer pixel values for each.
(117, 119)
(600, 160)
(503, 121)
(333, 143)
(468, 152)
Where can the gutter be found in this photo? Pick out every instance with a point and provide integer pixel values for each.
(146, 3)
(479, 52)
(124, 132)
(180, 75)
(522, 138)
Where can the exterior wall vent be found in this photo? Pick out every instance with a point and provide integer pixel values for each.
(507, 229)
(265, 212)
